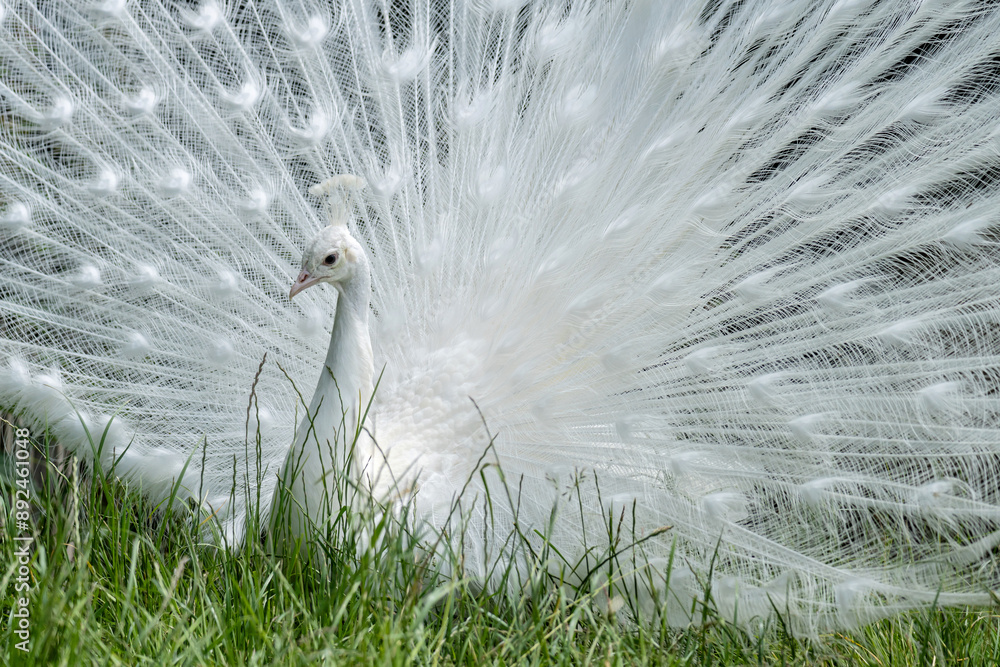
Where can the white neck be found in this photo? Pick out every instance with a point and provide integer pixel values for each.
(312, 472)
(349, 364)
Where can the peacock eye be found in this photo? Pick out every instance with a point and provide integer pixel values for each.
(331, 259)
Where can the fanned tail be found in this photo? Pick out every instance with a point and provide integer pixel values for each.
(732, 264)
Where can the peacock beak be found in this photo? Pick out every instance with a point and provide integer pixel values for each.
(304, 280)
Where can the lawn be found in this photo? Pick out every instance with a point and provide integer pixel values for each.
(112, 580)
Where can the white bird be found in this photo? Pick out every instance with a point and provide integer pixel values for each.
(727, 268)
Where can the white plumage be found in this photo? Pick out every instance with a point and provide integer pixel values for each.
(728, 267)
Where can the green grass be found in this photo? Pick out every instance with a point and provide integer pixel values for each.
(114, 581)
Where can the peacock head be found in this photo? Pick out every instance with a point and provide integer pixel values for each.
(332, 257)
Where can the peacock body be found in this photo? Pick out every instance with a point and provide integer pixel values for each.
(724, 267)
